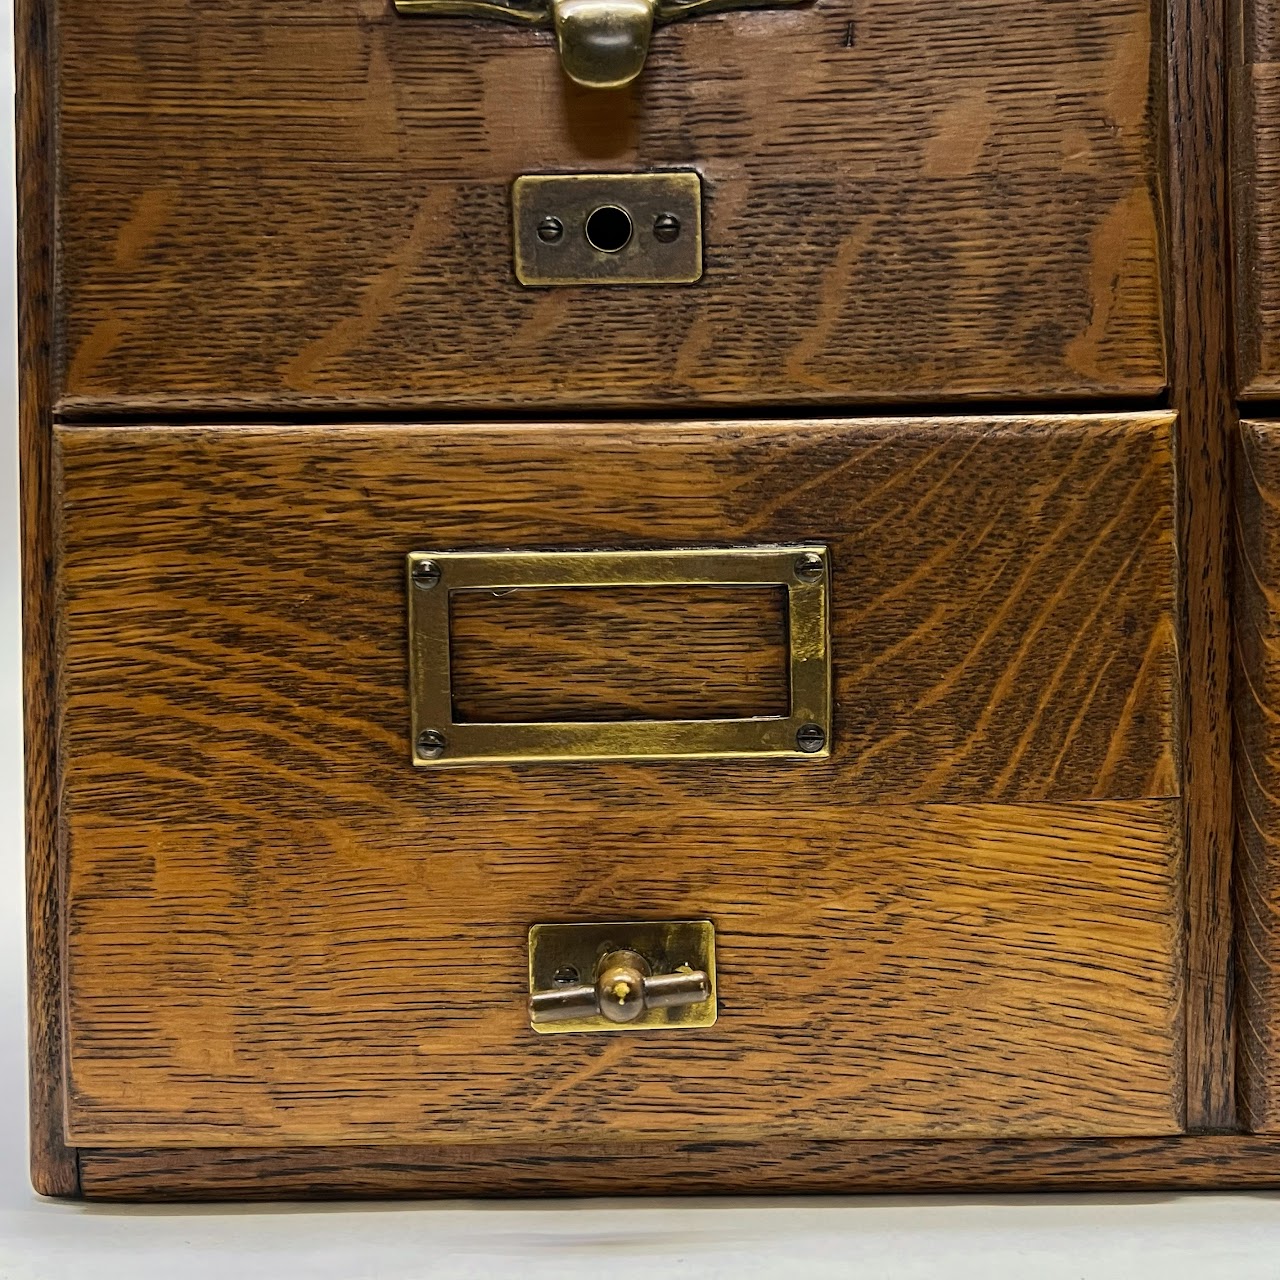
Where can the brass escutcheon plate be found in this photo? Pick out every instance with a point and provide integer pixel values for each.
(560, 953)
(440, 741)
(619, 228)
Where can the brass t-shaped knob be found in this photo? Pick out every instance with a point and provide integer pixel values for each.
(624, 988)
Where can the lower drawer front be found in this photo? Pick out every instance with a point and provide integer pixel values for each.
(964, 921)
(1256, 607)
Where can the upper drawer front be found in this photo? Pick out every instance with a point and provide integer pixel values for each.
(279, 930)
(1255, 108)
(308, 203)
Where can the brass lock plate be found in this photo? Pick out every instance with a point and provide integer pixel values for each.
(442, 741)
(567, 954)
(619, 228)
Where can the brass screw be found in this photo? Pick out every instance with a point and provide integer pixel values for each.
(809, 567)
(426, 573)
(810, 738)
(431, 744)
(550, 230)
(666, 228)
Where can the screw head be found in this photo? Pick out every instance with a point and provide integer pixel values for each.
(550, 230)
(431, 744)
(809, 567)
(666, 228)
(426, 573)
(810, 738)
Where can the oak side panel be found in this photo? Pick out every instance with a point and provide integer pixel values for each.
(1257, 709)
(308, 205)
(679, 653)
(275, 923)
(53, 1163)
(1202, 395)
(1202, 1162)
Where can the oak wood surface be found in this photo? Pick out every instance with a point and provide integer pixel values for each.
(308, 205)
(275, 925)
(891, 971)
(1202, 1162)
(1255, 172)
(1004, 590)
(1257, 708)
(53, 1164)
(1202, 394)
(678, 653)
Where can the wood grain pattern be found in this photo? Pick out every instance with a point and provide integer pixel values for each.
(992, 641)
(1203, 1162)
(276, 925)
(1257, 709)
(309, 206)
(894, 971)
(1255, 169)
(681, 653)
(53, 1165)
(1202, 396)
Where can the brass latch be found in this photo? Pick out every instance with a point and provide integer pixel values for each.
(628, 976)
(603, 43)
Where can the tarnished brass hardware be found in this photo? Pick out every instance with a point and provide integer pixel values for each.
(603, 43)
(439, 741)
(607, 228)
(636, 975)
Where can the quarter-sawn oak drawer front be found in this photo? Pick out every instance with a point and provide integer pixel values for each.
(309, 204)
(1255, 109)
(966, 921)
(1256, 585)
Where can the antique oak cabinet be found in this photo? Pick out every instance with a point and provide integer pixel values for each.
(651, 595)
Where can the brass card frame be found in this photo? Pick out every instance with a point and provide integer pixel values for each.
(439, 741)
(668, 945)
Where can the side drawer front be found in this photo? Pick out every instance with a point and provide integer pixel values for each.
(1257, 706)
(310, 205)
(1255, 145)
(965, 921)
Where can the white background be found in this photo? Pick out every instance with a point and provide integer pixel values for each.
(1032, 1238)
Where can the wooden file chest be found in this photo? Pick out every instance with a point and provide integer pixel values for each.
(779, 525)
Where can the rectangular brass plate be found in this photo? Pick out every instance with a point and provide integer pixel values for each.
(558, 949)
(568, 201)
(440, 741)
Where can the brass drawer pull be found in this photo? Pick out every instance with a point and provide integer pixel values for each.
(625, 987)
(627, 976)
(439, 740)
(603, 43)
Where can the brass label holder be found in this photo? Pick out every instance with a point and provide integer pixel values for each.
(440, 741)
(638, 975)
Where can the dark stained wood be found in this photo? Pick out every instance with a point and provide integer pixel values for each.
(1257, 708)
(1204, 1162)
(53, 1164)
(307, 204)
(621, 654)
(1255, 168)
(276, 925)
(1202, 396)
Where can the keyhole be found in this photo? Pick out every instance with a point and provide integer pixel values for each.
(609, 228)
